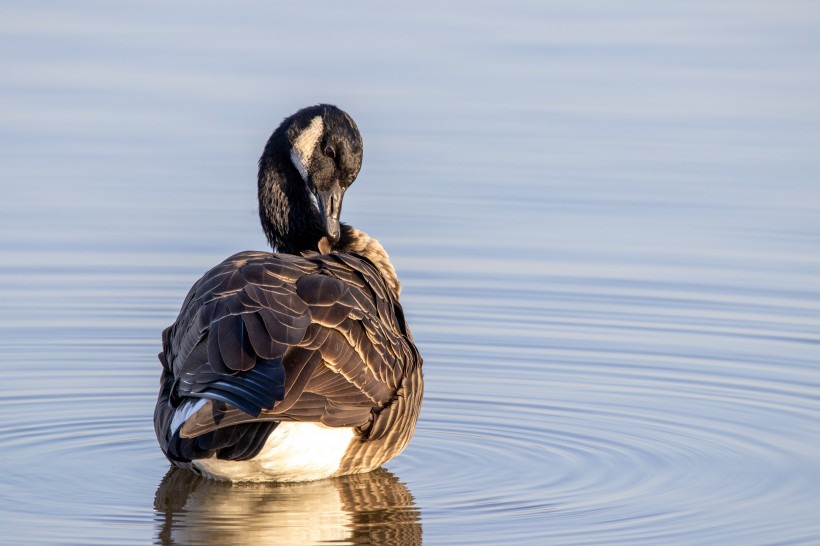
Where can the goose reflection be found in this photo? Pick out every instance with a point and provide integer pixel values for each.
(372, 508)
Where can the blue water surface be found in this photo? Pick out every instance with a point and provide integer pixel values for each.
(604, 214)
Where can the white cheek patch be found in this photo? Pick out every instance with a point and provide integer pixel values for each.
(300, 166)
(304, 145)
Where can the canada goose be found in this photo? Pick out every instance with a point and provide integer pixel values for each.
(294, 365)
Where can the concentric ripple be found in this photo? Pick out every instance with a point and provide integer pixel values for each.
(604, 216)
(643, 413)
(566, 409)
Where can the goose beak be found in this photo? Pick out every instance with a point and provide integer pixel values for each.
(330, 205)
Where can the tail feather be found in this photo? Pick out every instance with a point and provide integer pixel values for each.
(234, 443)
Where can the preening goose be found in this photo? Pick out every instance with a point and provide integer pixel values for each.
(294, 365)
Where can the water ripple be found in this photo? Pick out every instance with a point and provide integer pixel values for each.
(585, 413)
(592, 416)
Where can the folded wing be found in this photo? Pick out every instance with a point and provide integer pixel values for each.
(265, 338)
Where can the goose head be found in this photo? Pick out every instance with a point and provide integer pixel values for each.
(308, 164)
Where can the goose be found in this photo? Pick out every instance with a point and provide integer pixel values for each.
(296, 364)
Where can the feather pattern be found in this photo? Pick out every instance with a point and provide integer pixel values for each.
(312, 334)
(273, 337)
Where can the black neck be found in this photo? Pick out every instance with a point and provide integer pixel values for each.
(289, 219)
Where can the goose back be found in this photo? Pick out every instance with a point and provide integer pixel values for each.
(266, 338)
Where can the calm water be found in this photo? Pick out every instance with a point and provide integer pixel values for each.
(606, 217)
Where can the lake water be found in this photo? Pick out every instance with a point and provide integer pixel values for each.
(606, 216)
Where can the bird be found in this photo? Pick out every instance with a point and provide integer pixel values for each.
(296, 364)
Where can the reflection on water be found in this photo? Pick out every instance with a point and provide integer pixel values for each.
(605, 218)
(374, 508)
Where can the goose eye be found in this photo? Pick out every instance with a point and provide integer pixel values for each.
(330, 152)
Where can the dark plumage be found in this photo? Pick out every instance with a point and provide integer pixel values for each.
(280, 364)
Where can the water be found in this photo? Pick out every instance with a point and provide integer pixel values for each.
(605, 216)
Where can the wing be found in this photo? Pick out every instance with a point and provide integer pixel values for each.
(268, 337)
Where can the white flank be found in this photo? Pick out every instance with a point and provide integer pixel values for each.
(303, 146)
(294, 452)
(184, 412)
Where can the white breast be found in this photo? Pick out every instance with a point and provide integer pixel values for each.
(293, 452)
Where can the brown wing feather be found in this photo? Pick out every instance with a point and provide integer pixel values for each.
(330, 319)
